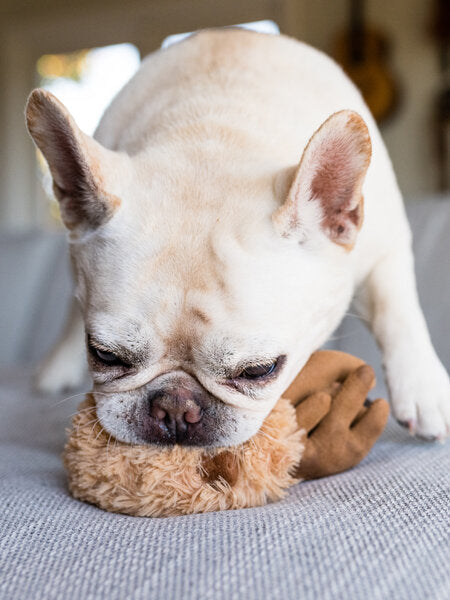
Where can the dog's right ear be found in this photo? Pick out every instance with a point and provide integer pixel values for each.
(76, 161)
(326, 187)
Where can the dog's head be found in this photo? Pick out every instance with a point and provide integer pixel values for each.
(205, 283)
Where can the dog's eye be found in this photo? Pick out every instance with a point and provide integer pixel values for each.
(107, 358)
(258, 371)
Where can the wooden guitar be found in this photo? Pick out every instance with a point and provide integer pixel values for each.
(441, 31)
(363, 54)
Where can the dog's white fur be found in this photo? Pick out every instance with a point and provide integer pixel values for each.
(213, 248)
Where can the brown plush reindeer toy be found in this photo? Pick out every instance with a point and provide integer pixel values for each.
(322, 425)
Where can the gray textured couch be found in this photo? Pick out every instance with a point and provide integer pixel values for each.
(378, 531)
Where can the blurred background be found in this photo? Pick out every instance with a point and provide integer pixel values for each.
(85, 50)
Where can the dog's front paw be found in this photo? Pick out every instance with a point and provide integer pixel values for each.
(60, 372)
(421, 402)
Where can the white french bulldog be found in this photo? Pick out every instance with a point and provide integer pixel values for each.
(217, 237)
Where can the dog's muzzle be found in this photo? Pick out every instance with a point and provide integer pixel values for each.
(180, 411)
(175, 415)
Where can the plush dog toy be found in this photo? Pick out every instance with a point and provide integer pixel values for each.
(322, 425)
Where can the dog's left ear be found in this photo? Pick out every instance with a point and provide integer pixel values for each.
(326, 189)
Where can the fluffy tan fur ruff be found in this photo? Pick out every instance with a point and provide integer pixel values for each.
(156, 482)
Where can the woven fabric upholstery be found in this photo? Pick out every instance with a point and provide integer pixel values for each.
(378, 531)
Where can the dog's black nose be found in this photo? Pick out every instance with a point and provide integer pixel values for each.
(176, 414)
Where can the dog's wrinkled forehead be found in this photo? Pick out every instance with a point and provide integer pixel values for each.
(177, 285)
(178, 247)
